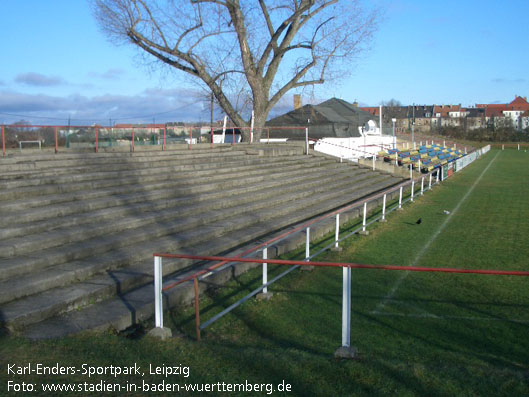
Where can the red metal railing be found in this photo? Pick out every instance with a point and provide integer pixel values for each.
(346, 286)
(113, 131)
(347, 264)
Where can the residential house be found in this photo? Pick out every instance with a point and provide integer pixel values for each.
(332, 118)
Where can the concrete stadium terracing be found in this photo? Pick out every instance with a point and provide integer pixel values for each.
(78, 230)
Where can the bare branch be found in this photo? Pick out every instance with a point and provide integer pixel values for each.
(244, 52)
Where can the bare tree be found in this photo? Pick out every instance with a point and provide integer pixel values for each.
(275, 45)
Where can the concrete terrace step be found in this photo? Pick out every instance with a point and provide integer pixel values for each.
(34, 308)
(37, 220)
(124, 164)
(195, 217)
(97, 175)
(38, 209)
(59, 163)
(143, 216)
(138, 180)
(68, 175)
(44, 160)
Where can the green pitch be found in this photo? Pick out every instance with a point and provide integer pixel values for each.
(422, 334)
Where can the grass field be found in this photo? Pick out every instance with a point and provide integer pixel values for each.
(422, 334)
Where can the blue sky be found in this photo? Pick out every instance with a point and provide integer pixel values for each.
(56, 63)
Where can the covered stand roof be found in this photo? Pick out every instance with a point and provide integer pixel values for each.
(332, 118)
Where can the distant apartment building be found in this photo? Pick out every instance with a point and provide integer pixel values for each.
(426, 118)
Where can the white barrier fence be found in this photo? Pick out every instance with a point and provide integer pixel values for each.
(470, 158)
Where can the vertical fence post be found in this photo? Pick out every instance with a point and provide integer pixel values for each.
(307, 243)
(502, 146)
(232, 136)
(437, 175)
(211, 137)
(56, 142)
(337, 232)
(384, 208)
(265, 270)
(190, 138)
(197, 313)
(518, 146)
(164, 134)
(364, 220)
(132, 143)
(411, 172)
(158, 300)
(412, 190)
(97, 139)
(3, 142)
(400, 198)
(374, 159)
(346, 307)
(307, 141)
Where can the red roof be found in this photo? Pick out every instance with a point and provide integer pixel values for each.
(495, 111)
(519, 103)
(371, 109)
(445, 109)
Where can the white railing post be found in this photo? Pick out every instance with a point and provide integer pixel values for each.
(158, 299)
(411, 172)
(364, 221)
(422, 186)
(374, 157)
(400, 198)
(307, 141)
(346, 307)
(265, 271)
(437, 177)
(430, 182)
(412, 190)
(337, 232)
(307, 244)
(384, 208)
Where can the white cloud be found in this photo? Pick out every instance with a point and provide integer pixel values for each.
(39, 108)
(39, 80)
(162, 105)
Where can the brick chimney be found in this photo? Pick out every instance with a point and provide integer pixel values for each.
(297, 101)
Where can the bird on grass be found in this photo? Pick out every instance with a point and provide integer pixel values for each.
(419, 221)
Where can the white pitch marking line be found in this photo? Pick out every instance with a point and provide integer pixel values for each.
(420, 254)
